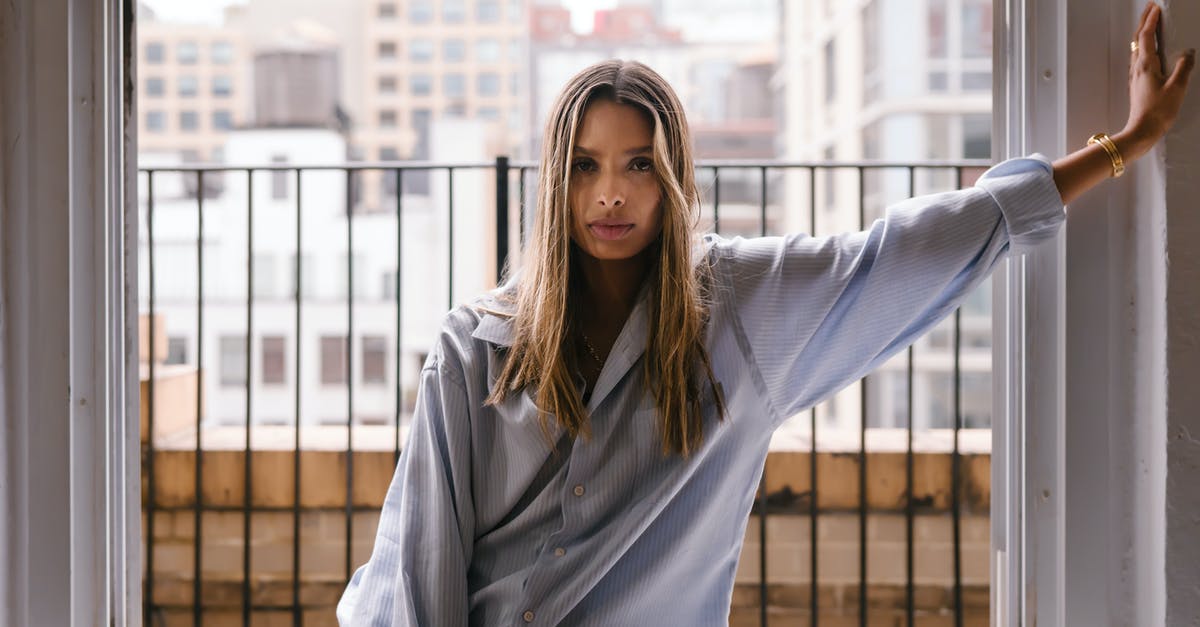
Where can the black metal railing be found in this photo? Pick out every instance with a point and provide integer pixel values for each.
(506, 201)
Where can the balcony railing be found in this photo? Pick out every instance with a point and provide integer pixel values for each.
(204, 473)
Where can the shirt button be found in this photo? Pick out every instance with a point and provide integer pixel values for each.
(528, 616)
(579, 490)
(560, 551)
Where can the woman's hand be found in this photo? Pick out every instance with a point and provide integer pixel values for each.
(1154, 98)
(1154, 101)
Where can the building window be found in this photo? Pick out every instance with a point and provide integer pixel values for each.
(232, 360)
(938, 81)
(387, 118)
(306, 269)
(222, 52)
(387, 11)
(977, 136)
(514, 84)
(454, 85)
(374, 359)
(453, 50)
(274, 353)
(515, 11)
(420, 50)
(279, 179)
(187, 52)
(188, 86)
(454, 11)
(155, 52)
(420, 84)
(177, 351)
(156, 121)
(387, 84)
(222, 85)
(515, 51)
(977, 81)
(333, 359)
(420, 11)
(977, 29)
(488, 84)
(936, 25)
(830, 71)
(456, 110)
(487, 10)
(155, 87)
(387, 50)
(487, 51)
(489, 113)
(189, 121)
(389, 154)
(222, 120)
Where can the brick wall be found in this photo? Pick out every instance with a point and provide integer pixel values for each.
(322, 531)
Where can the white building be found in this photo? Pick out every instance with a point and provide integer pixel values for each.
(325, 280)
(899, 81)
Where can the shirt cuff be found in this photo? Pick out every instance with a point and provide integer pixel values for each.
(1024, 190)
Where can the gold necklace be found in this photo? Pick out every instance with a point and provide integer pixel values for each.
(591, 350)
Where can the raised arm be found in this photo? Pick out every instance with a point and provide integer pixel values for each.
(1154, 101)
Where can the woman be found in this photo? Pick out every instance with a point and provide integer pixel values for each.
(588, 437)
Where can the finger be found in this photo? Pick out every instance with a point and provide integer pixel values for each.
(1142, 19)
(1183, 71)
(1145, 36)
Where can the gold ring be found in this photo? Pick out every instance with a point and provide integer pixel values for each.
(1133, 47)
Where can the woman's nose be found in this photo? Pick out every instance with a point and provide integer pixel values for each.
(609, 192)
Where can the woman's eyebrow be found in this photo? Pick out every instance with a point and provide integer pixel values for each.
(632, 151)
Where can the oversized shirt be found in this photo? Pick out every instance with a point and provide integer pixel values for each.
(621, 534)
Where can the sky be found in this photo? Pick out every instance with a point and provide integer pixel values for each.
(210, 11)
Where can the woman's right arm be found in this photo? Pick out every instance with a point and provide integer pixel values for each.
(417, 574)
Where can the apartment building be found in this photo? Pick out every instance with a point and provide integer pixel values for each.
(899, 81)
(193, 87)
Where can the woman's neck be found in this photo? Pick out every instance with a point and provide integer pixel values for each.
(610, 287)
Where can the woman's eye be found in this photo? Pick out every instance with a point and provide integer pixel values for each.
(642, 165)
(583, 166)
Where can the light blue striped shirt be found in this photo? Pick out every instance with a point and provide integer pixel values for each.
(621, 535)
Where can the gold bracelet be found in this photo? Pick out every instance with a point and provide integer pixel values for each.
(1118, 164)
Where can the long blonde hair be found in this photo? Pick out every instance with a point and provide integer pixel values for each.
(543, 353)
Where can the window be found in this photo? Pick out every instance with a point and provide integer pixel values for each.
(420, 50)
(189, 121)
(829, 174)
(487, 10)
(420, 84)
(177, 351)
(830, 71)
(187, 52)
(222, 52)
(222, 120)
(389, 284)
(265, 275)
(488, 84)
(279, 179)
(454, 11)
(977, 136)
(154, 52)
(487, 51)
(514, 51)
(489, 113)
(389, 153)
(420, 11)
(936, 24)
(374, 359)
(938, 81)
(514, 84)
(872, 79)
(232, 360)
(515, 11)
(274, 360)
(155, 87)
(977, 29)
(333, 359)
(222, 85)
(188, 86)
(306, 269)
(156, 121)
(386, 50)
(454, 85)
(454, 50)
(387, 11)
(456, 110)
(387, 84)
(977, 81)
(387, 118)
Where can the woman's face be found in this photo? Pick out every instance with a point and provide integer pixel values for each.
(615, 195)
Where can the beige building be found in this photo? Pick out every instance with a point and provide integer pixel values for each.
(431, 60)
(192, 88)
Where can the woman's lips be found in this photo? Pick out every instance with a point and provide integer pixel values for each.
(610, 231)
